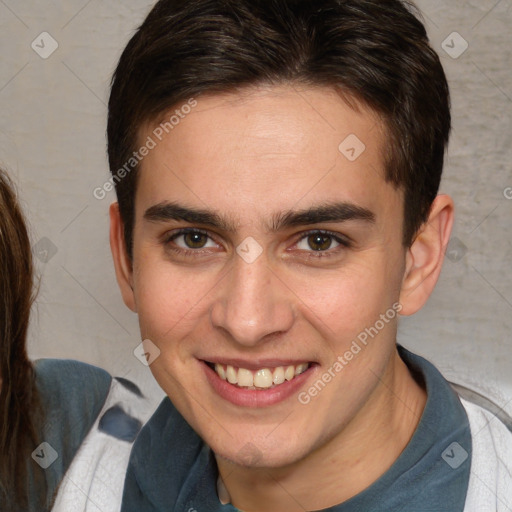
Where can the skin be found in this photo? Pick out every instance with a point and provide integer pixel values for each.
(249, 157)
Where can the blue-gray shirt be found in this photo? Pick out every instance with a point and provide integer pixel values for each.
(171, 468)
(72, 395)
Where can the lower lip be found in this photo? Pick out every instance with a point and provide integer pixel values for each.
(255, 397)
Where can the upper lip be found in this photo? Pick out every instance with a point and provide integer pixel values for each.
(255, 364)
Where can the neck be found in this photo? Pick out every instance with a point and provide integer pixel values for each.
(343, 467)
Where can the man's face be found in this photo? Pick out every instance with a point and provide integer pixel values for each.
(261, 244)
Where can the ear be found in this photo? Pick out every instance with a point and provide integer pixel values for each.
(122, 263)
(424, 258)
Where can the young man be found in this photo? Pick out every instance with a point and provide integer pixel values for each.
(277, 165)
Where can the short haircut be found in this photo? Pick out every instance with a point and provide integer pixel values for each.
(375, 51)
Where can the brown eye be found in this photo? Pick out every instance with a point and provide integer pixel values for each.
(319, 242)
(195, 240)
(322, 243)
(190, 240)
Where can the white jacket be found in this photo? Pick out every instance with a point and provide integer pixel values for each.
(490, 482)
(94, 482)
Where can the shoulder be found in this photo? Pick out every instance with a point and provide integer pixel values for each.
(491, 464)
(64, 378)
(71, 395)
(70, 392)
(67, 374)
(101, 462)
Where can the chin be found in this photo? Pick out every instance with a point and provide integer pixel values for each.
(254, 454)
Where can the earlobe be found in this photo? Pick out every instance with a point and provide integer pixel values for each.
(122, 263)
(425, 257)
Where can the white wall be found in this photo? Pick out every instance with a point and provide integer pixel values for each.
(52, 126)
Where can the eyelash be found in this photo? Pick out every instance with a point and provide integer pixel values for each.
(179, 250)
(344, 242)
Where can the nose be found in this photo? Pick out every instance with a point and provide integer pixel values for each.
(253, 303)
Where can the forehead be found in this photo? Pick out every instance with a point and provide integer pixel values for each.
(266, 149)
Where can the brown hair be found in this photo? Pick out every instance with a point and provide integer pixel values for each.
(18, 397)
(376, 51)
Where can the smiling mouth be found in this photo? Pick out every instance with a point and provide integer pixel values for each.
(265, 378)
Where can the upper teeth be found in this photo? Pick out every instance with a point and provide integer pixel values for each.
(264, 378)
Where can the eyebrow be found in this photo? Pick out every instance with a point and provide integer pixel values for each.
(331, 212)
(166, 211)
(334, 212)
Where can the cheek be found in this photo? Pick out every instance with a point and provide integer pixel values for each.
(348, 300)
(169, 300)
